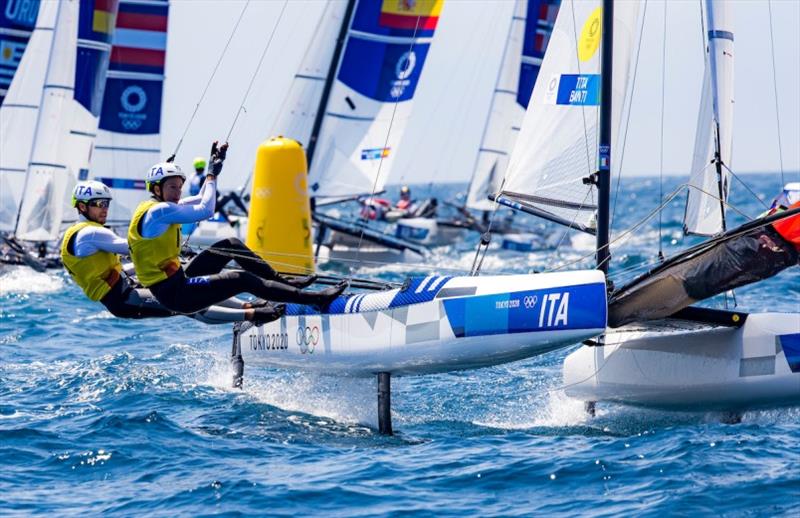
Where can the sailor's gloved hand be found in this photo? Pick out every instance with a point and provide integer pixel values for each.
(217, 158)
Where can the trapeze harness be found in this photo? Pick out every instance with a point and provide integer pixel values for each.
(89, 252)
(154, 237)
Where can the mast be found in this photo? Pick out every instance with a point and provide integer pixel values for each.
(326, 91)
(604, 151)
(714, 32)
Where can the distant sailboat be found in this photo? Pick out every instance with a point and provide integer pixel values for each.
(50, 112)
(357, 80)
(527, 32)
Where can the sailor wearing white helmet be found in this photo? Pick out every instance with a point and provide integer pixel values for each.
(91, 254)
(154, 238)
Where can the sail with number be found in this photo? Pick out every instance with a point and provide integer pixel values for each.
(367, 108)
(551, 174)
(129, 139)
(66, 122)
(709, 180)
(529, 32)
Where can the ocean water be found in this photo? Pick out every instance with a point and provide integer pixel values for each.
(113, 417)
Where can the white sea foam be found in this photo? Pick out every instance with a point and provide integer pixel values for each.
(23, 280)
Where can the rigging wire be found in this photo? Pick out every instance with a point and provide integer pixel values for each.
(775, 88)
(258, 68)
(661, 138)
(628, 117)
(211, 78)
(583, 108)
(388, 133)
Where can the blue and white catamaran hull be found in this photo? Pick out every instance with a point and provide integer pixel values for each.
(434, 324)
(693, 367)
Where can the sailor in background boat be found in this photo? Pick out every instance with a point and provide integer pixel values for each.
(91, 254)
(154, 238)
(740, 258)
(406, 207)
(199, 164)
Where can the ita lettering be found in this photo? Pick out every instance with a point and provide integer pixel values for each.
(554, 311)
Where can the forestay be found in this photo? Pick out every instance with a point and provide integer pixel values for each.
(529, 32)
(561, 126)
(24, 47)
(708, 192)
(376, 77)
(130, 124)
(66, 122)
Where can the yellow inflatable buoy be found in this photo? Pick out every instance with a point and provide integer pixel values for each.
(279, 224)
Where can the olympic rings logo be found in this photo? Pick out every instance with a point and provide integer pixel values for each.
(530, 301)
(307, 338)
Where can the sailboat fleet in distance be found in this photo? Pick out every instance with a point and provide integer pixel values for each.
(84, 102)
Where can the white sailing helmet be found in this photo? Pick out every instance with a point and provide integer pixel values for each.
(160, 172)
(90, 190)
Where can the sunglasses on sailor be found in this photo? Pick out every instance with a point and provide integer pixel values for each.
(101, 204)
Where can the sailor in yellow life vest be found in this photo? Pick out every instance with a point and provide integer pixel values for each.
(91, 254)
(154, 238)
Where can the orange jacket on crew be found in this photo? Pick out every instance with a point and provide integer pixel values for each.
(789, 228)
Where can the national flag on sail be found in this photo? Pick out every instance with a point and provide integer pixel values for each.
(140, 40)
(375, 153)
(410, 14)
(539, 21)
(546, 19)
(104, 15)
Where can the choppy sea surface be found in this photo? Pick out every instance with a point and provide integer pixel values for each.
(105, 416)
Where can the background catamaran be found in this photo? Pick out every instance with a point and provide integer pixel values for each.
(49, 116)
(350, 101)
(67, 75)
(529, 31)
(700, 358)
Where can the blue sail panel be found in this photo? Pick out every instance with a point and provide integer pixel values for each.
(134, 88)
(539, 21)
(17, 20)
(132, 106)
(385, 72)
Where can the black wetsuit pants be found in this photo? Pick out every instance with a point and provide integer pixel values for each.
(201, 284)
(127, 301)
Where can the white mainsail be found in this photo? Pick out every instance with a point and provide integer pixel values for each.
(561, 126)
(24, 70)
(129, 136)
(371, 98)
(704, 211)
(66, 123)
(529, 32)
(300, 109)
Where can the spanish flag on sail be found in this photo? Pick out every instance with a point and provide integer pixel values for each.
(104, 15)
(410, 14)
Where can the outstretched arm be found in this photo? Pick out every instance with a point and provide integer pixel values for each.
(161, 216)
(91, 240)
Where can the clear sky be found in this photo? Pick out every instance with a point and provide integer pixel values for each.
(452, 97)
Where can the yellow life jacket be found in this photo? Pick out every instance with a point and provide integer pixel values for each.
(95, 274)
(154, 258)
